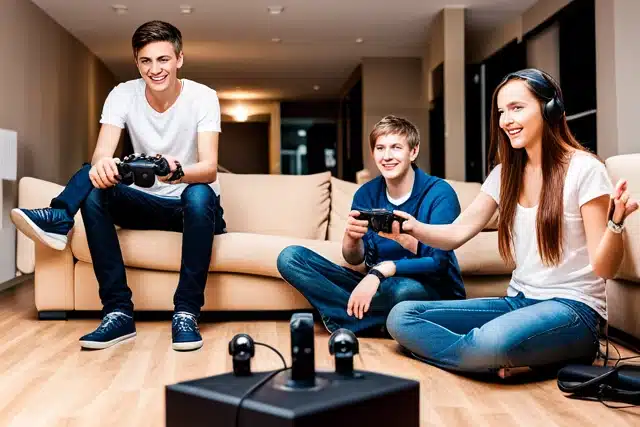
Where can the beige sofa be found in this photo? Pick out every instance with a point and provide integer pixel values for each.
(264, 214)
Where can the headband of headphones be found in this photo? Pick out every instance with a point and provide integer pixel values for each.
(541, 84)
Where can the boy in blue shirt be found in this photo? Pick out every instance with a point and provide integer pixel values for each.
(399, 267)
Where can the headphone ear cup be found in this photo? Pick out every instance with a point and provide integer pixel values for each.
(553, 110)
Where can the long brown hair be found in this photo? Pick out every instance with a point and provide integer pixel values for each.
(557, 143)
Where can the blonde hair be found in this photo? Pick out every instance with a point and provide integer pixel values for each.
(392, 125)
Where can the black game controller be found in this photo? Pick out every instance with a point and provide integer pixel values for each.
(142, 170)
(380, 219)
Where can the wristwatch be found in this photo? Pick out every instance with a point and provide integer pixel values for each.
(377, 274)
(616, 228)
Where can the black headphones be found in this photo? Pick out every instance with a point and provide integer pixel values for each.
(543, 85)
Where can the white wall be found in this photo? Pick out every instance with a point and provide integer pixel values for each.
(543, 52)
(392, 86)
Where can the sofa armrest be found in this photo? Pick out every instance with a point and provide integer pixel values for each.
(33, 193)
(54, 284)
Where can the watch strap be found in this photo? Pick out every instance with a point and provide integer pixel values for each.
(616, 228)
(377, 273)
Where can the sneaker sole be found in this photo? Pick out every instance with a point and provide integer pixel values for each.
(99, 345)
(186, 346)
(32, 231)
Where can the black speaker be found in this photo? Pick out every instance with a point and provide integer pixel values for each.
(366, 399)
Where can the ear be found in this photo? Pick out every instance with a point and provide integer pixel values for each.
(180, 60)
(414, 153)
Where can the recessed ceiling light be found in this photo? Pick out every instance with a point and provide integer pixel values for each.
(316, 87)
(240, 113)
(275, 10)
(185, 9)
(120, 9)
(276, 40)
(359, 40)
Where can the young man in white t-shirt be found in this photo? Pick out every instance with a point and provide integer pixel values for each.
(180, 120)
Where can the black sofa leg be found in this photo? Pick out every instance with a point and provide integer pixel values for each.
(52, 315)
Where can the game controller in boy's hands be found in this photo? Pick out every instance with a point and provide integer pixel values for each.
(142, 170)
(380, 220)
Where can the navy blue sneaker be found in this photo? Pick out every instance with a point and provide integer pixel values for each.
(184, 331)
(49, 226)
(114, 328)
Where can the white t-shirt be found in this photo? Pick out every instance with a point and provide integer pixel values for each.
(399, 200)
(174, 132)
(586, 179)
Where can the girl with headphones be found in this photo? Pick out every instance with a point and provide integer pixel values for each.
(560, 222)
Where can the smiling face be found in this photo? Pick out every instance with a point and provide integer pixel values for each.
(393, 156)
(158, 65)
(520, 114)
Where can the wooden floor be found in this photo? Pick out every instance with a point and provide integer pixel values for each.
(48, 381)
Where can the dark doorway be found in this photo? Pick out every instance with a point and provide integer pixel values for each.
(244, 147)
(351, 127)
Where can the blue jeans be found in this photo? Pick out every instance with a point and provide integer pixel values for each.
(197, 214)
(486, 334)
(328, 286)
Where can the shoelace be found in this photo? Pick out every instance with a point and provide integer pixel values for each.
(111, 319)
(43, 212)
(185, 322)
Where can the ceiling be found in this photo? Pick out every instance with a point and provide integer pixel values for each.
(229, 45)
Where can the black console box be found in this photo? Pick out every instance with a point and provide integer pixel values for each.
(367, 399)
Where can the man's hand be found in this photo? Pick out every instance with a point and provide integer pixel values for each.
(104, 173)
(173, 165)
(407, 241)
(356, 228)
(361, 296)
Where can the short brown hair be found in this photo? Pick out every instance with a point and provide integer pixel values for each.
(392, 125)
(156, 31)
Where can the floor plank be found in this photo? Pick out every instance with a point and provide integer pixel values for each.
(48, 380)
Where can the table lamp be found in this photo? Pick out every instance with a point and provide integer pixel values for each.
(8, 172)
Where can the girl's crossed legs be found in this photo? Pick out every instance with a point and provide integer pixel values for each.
(484, 335)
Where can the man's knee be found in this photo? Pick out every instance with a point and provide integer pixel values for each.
(198, 197)
(94, 201)
(399, 292)
(290, 257)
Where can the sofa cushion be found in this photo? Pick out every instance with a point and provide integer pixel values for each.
(254, 253)
(480, 256)
(623, 300)
(281, 205)
(248, 253)
(467, 192)
(154, 290)
(626, 166)
(341, 197)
